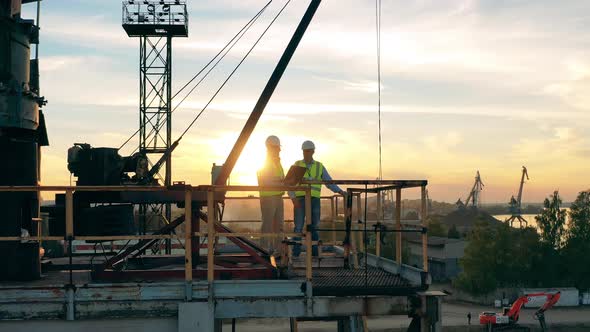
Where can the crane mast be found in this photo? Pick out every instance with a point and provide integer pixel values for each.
(516, 203)
(473, 196)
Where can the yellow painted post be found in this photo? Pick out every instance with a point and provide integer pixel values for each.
(353, 246)
(188, 236)
(398, 225)
(379, 208)
(378, 243)
(308, 244)
(69, 214)
(359, 210)
(210, 236)
(424, 235)
(361, 236)
(332, 208)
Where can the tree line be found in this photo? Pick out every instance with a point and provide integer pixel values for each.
(558, 254)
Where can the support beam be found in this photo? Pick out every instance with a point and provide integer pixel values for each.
(424, 235)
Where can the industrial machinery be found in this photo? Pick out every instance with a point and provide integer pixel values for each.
(516, 203)
(22, 134)
(111, 213)
(508, 320)
(473, 199)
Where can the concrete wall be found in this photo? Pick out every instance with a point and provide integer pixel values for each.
(455, 249)
(114, 325)
(570, 297)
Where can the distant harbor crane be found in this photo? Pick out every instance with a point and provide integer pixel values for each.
(473, 199)
(516, 203)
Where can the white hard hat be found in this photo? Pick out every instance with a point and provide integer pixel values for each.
(308, 145)
(272, 140)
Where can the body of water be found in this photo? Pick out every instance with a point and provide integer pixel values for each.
(530, 218)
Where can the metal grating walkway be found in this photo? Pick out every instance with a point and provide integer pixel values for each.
(347, 282)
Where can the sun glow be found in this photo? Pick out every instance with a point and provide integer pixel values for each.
(253, 155)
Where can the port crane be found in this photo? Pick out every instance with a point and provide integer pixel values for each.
(508, 320)
(473, 199)
(516, 203)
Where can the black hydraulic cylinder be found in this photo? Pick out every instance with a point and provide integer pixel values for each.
(267, 93)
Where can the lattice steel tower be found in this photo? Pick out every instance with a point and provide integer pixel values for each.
(155, 23)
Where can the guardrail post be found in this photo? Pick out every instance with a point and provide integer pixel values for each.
(210, 238)
(333, 212)
(361, 234)
(70, 288)
(398, 225)
(378, 243)
(308, 240)
(69, 214)
(188, 237)
(379, 207)
(359, 210)
(424, 212)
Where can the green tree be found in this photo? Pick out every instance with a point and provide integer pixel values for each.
(478, 275)
(579, 225)
(577, 247)
(551, 221)
(436, 228)
(500, 256)
(453, 233)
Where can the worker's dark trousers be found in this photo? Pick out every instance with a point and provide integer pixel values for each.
(299, 216)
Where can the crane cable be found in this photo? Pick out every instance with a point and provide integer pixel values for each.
(378, 30)
(243, 32)
(228, 46)
(235, 69)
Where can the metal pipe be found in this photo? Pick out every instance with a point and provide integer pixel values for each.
(70, 309)
(267, 93)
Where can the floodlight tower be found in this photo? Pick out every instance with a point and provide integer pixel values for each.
(155, 23)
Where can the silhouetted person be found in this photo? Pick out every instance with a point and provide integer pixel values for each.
(469, 318)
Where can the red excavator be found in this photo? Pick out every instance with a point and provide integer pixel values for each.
(509, 318)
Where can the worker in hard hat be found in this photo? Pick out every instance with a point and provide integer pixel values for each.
(271, 202)
(318, 172)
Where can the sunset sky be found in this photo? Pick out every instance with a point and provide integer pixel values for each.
(468, 85)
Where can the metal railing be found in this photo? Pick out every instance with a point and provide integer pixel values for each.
(211, 234)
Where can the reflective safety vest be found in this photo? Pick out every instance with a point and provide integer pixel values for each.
(271, 172)
(313, 173)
